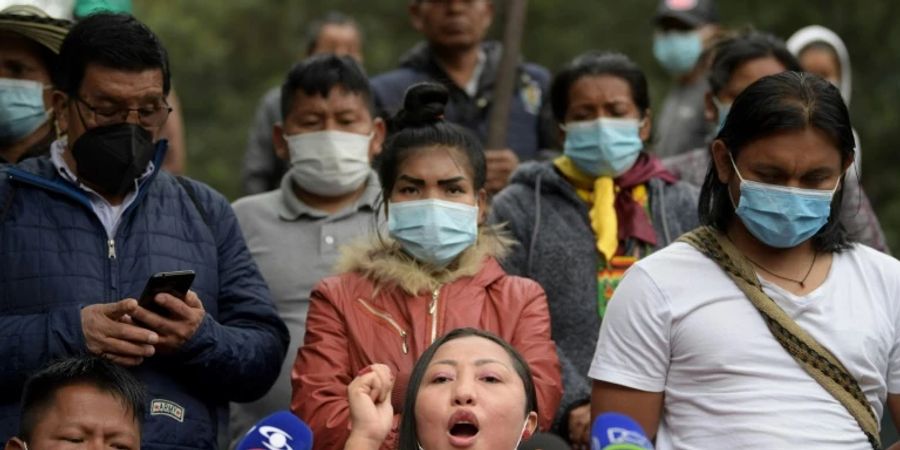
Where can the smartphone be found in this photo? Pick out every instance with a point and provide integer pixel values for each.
(174, 283)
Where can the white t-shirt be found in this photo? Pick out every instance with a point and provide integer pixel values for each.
(678, 325)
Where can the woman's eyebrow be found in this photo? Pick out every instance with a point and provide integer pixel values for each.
(447, 362)
(485, 361)
(409, 179)
(451, 181)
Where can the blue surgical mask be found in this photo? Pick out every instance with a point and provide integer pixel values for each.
(677, 51)
(603, 147)
(781, 216)
(723, 109)
(433, 231)
(21, 109)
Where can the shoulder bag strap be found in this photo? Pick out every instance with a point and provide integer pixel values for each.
(818, 362)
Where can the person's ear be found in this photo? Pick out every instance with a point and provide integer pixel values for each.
(848, 161)
(415, 15)
(722, 159)
(15, 443)
(481, 201)
(379, 130)
(531, 423)
(280, 144)
(709, 33)
(489, 12)
(60, 103)
(710, 112)
(646, 126)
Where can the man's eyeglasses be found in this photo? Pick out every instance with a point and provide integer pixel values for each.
(151, 116)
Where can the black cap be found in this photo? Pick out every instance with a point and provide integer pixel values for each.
(693, 13)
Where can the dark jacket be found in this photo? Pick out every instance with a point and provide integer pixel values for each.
(56, 258)
(530, 127)
(558, 250)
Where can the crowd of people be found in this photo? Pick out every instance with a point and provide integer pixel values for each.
(715, 272)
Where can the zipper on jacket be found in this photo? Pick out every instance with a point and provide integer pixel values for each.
(432, 311)
(390, 320)
(112, 267)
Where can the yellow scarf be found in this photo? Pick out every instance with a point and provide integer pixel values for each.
(600, 194)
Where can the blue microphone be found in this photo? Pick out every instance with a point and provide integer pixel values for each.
(280, 431)
(614, 431)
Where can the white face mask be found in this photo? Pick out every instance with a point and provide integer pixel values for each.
(522, 434)
(329, 163)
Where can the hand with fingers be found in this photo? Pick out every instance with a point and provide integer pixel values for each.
(108, 333)
(178, 326)
(371, 413)
(580, 427)
(500, 166)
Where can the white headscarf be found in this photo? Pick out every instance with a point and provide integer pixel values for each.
(816, 33)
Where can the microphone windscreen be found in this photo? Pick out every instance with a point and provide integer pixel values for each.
(614, 431)
(280, 431)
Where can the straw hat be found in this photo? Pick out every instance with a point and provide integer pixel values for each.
(33, 23)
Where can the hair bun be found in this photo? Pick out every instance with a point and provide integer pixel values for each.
(423, 104)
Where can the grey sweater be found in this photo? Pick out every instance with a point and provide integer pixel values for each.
(558, 250)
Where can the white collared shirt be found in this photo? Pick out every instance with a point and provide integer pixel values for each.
(110, 215)
(471, 87)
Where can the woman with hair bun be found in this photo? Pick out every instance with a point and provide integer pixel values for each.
(437, 270)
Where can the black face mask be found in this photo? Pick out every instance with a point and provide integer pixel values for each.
(110, 158)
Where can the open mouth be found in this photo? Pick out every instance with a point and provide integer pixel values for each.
(463, 430)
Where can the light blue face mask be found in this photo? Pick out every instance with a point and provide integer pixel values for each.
(21, 109)
(433, 231)
(723, 109)
(677, 51)
(603, 147)
(781, 216)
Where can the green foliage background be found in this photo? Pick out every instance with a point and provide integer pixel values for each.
(226, 54)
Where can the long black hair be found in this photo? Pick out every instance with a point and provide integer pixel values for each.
(409, 438)
(787, 101)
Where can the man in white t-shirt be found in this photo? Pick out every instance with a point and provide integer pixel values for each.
(684, 351)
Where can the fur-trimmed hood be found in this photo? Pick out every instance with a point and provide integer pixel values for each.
(383, 261)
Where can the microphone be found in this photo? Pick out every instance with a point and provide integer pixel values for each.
(614, 431)
(279, 431)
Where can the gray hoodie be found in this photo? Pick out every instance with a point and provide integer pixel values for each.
(558, 250)
(819, 34)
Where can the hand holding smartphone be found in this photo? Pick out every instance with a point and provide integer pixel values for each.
(176, 284)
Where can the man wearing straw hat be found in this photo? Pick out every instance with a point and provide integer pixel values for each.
(29, 47)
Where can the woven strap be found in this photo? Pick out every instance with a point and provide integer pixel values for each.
(820, 363)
